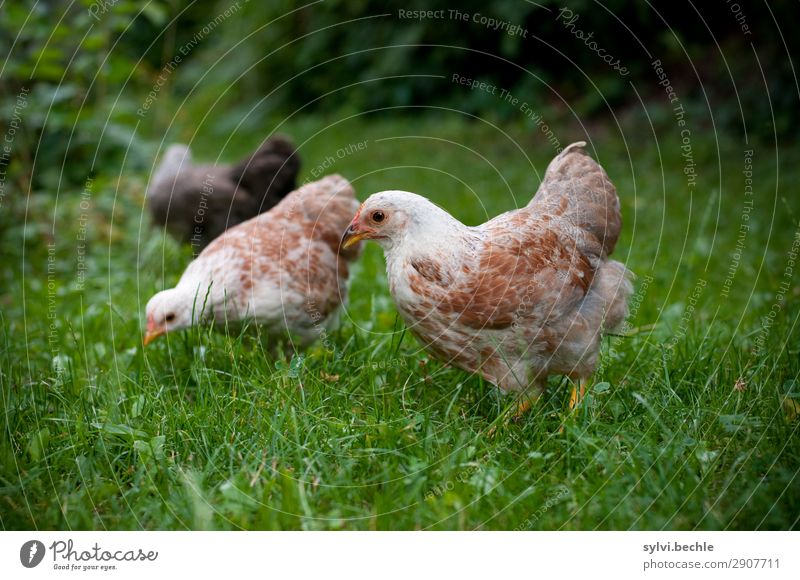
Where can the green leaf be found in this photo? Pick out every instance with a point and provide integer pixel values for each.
(155, 13)
(600, 388)
(93, 42)
(296, 365)
(137, 407)
(37, 445)
(120, 430)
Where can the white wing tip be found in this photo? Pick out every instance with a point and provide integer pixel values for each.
(572, 147)
(176, 157)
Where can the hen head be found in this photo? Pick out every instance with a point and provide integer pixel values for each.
(167, 311)
(396, 218)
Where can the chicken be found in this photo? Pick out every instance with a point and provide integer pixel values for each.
(196, 203)
(281, 269)
(518, 298)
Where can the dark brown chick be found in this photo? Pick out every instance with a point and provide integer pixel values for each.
(196, 203)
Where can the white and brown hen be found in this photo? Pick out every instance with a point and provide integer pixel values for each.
(520, 297)
(281, 269)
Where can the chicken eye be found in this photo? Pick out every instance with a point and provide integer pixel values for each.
(378, 216)
(170, 317)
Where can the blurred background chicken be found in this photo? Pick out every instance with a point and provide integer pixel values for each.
(520, 297)
(196, 203)
(282, 270)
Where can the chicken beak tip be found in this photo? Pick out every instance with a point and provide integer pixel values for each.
(350, 240)
(352, 237)
(151, 335)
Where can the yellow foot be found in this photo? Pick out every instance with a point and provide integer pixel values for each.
(574, 397)
(523, 406)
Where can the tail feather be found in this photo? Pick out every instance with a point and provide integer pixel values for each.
(604, 309)
(177, 158)
(270, 173)
(612, 287)
(578, 190)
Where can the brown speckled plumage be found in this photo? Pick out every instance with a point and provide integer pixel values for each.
(281, 269)
(520, 297)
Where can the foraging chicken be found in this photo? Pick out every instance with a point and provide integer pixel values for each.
(196, 203)
(281, 269)
(520, 297)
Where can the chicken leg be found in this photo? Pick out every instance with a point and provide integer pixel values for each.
(577, 393)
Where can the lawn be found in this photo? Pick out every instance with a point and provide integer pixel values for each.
(691, 422)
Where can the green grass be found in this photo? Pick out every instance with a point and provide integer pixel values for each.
(208, 431)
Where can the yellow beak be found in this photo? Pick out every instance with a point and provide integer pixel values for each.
(151, 335)
(353, 236)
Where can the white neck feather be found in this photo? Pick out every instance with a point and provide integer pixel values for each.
(430, 233)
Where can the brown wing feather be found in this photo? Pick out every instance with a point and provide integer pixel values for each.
(327, 205)
(522, 268)
(307, 220)
(578, 190)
